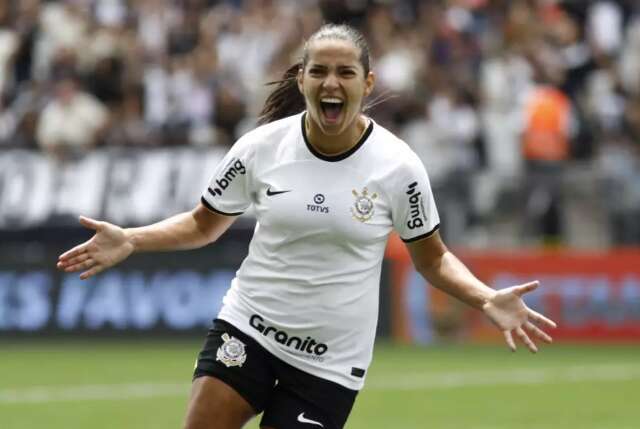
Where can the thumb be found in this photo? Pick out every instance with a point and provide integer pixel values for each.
(87, 222)
(527, 287)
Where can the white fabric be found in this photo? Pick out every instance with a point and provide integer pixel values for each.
(314, 262)
(8, 46)
(74, 124)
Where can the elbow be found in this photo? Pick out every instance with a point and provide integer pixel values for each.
(211, 237)
(209, 226)
(205, 235)
(430, 267)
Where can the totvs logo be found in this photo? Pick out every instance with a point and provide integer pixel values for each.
(318, 199)
(236, 167)
(416, 208)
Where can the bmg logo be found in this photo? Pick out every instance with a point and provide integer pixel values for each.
(236, 167)
(415, 206)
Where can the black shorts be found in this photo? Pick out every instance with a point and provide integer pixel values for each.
(290, 398)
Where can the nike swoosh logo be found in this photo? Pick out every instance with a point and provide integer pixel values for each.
(271, 193)
(302, 419)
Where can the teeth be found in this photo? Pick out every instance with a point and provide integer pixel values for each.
(332, 100)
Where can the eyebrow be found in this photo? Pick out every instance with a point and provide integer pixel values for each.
(323, 67)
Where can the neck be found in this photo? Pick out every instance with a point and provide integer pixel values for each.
(335, 144)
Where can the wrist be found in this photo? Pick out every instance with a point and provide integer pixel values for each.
(488, 295)
(131, 239)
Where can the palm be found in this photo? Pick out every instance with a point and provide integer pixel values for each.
(509, 313)
(108, 245)
(106, 248)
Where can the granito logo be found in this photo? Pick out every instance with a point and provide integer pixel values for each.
(308, 345)
(235, 167)
(416, 208)
(318, 199)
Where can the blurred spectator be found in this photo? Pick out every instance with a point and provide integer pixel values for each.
(129, 127)
(629, 65)
(27, 25)
(456, 78)
(546, 149)
(72, 122)
(9, 43)
(604, 26)
(18, 121)
(547, 126)
(64, 31)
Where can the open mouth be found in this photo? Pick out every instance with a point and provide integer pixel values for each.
(331, 108)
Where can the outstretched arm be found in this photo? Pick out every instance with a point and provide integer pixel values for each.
(112, 244)
(505, 307)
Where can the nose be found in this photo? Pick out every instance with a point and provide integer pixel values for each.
(331, 82)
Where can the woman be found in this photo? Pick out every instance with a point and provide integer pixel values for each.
(295, 335)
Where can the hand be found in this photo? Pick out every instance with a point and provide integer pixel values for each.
(508, 312)
(106, 248)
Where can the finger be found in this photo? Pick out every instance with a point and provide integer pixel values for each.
(526, 340)
(527, 287)
(89, 223)
(509, 339)
(91, 272)
(73, 260)
(78, 250)
(81, 266)
(538, 332)
(539, 318)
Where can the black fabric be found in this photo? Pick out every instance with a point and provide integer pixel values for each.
(300, 398)
(254, 380)
(420, 237)
(357, 372)
(289, 397)
(215, 210)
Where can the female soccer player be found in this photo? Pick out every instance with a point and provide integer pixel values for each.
(295, 335)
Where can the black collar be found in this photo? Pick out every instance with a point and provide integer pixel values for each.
(340, 156)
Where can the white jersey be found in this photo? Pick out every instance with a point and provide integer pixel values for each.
(308, 289)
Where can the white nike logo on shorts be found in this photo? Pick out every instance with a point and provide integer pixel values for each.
(302, 419)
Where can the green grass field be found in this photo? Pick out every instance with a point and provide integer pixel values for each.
(102, 384)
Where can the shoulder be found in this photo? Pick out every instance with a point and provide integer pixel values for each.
(270, 134)
(393, 152)
(397, 165)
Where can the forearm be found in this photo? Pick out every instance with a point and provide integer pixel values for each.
(450, 275)
(179, 232)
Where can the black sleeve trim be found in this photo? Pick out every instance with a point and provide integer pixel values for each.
(420, 237)
(211, 208)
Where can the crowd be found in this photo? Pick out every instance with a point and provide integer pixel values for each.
(525, 112)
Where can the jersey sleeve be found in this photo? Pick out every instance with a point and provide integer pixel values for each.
(228, 191)
(414, 211)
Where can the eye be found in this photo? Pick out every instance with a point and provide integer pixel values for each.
(348, 72)
(316, 71)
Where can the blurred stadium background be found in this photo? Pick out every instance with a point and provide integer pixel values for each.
(525, 112)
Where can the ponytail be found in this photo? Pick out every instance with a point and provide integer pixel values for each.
(285, 100)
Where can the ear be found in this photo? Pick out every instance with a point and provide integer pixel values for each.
(369, 83)
(299, 78)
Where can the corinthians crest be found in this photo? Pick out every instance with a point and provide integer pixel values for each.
(231, 353)
(363, 208)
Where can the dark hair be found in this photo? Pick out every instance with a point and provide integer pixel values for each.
(286, 99)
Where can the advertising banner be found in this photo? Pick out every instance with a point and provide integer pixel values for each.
(165, 293)
(172, 293)
(593, 296)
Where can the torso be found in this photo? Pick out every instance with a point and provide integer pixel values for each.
(314, 262)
